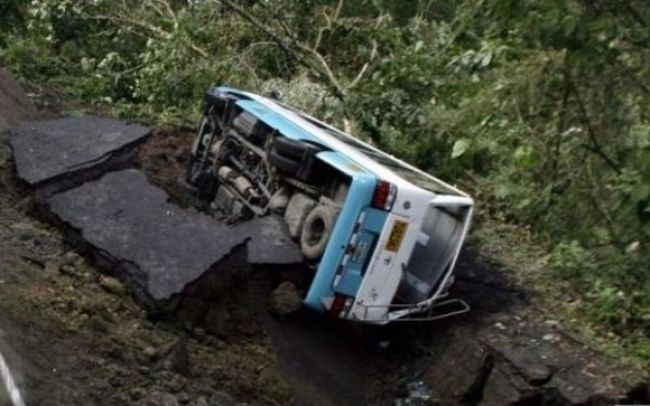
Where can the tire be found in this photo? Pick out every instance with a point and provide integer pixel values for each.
(316, 231)
(291, 148)
(284, 164)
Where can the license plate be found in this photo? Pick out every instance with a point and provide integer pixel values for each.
(396, 236)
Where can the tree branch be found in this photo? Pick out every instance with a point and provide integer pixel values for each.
(364, 68)
(330, 21)
(170, 11)
(595, 147)
(562, 119)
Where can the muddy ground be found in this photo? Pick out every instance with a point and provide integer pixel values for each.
(74, 335)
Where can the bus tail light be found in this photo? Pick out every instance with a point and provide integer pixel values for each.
(384, 197)
(340, 305)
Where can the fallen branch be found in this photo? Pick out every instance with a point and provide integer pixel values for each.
(364, 68)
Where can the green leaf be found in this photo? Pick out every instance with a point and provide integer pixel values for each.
(486, 59)
(460, 146)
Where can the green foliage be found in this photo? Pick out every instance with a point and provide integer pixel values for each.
(11, 15)
(540, 107)
(569, 259)
(615, 286)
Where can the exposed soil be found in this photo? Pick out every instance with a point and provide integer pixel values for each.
(76, 336)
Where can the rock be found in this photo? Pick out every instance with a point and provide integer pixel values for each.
(527, 360)
(150, 352)
(176, 358)
(69, 270)
(5, 232)
(61, 153)
(417, 393)
(137, 393)
(200, 401)
(112, 285)
(577, 388)
(503, 387)
(543, 371)
(285, 299)
(270, 242)
(121, 353)
(459, 369)
(176, 383)
(272, 384)
(218, 343)
(219, 398)
(199, 332)
(43, 246)
(116, 381)
(159, 399)
(183, 398)
(98, 324)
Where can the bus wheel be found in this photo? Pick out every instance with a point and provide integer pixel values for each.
(316, 231)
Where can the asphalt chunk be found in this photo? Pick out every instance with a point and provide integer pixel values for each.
(62, 153)
(151, 244)
(270, 242)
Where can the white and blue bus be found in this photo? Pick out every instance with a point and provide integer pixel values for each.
(382, 235)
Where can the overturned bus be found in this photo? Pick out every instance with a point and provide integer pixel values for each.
(382, 235)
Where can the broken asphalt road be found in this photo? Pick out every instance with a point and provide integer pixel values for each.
(127, 223)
